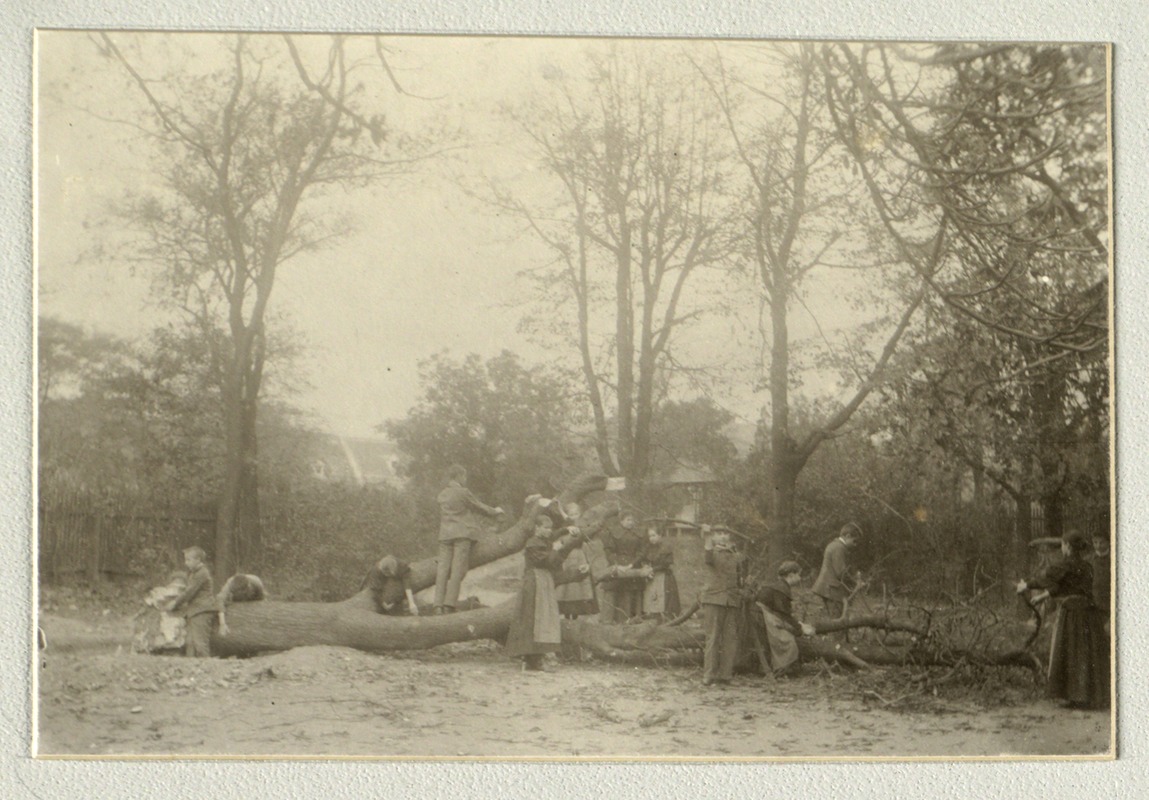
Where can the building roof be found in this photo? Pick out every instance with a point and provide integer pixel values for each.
(360, 460)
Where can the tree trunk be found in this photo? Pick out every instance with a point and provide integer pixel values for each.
(267, 626)
(271, 625)
(238, 537)
(783, 469)
(624, 347)
(783, 483)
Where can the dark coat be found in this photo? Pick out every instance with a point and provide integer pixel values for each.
(623, 547)
(1101, 582)
(778, 598)
(389, 586)
(542, 566)
(459, 512)
(198, 597)
(724, 572)
(834, 578)
(1079, 652)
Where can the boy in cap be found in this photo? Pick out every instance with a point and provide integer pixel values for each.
(721, 599)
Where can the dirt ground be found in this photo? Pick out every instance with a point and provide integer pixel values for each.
(467, 700)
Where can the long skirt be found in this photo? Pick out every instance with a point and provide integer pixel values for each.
(783, 645)
(535, 627)
(1079, 655)
(661, 595)
(577, 597)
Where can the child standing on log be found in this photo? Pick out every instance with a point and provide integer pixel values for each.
(197, 605)
(535, 627)
(721, 599)
(458, 530)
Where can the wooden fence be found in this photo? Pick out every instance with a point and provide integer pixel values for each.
(116, 543)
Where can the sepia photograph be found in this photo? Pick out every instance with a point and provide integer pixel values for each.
(572, 398)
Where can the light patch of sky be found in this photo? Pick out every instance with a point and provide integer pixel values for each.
(428, 268)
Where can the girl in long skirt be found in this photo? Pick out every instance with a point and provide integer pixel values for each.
(535, 627)
(576, 598)
(1079, 651)
(660, 598)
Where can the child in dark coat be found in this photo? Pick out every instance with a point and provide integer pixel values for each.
(535, 627)
(775, 600)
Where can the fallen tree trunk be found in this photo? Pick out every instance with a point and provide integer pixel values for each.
(506, 542)
(870, 621)
(268, 625)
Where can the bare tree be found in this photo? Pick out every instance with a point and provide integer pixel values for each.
(242, 152)
(803, 213)
(1006, 148)
(637, 155)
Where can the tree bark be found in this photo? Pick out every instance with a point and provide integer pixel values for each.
(271, 625)
(238, 535)
(267, 626)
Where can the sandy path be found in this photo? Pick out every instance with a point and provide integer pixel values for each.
(467, 700)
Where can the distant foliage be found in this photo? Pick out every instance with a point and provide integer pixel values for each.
(321, 539)
(513, 427)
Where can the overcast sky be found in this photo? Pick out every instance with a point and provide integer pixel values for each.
(427, 269)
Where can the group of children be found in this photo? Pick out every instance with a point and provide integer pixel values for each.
(630, 575)
(724, 598)
(573, 571)
(641, 570)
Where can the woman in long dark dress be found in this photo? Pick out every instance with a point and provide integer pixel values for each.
(535, 627)
(1079, 652)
